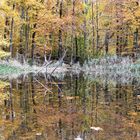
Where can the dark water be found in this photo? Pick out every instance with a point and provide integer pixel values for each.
(40, 108)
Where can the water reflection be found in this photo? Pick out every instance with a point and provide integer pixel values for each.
(74, 108)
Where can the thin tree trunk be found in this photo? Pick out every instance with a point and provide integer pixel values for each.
(85, 28)
(136, 35)
(76, 51)
(85, 33)
(27, 28)
(73, 24)
(60, 44)
(11, 101)
(21, 35)
(74, 36)
(106, 93)
(33, 90)
(60, 32)
(106, 42)
(117, 32)
(93, 34)
(97, 26)
(126, 38)
(11, 34)
(33, 44)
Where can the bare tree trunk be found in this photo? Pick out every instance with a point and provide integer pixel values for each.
(97, 26)
(85, 33)
(106, 93)
(21, 34)
(73, 24)
(126, 37)
(11, 34)
(76, 49)
(74, 36)
(136, 36)
(60, 44)
(117, 32)
(93, 34)
(33, 44)
(119, 22)
(11, 101)
(106, 42)
(85, 28)
(27, 28)
(60, 31)
(33, 90)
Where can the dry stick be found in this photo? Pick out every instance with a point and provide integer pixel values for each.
(46, 65)
(43, 86)
(61, 60)
(50, 57)
(52, 81)
(46, 89)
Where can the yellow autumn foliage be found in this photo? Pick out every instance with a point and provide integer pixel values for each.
(3, 95)
(4, 54)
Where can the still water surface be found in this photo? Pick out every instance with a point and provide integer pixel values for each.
(70, 108)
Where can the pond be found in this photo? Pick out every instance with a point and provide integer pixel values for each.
(71, 107)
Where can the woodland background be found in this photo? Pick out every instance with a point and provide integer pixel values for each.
(45, 29)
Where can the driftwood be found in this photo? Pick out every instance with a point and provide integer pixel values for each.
(60, 62)
(46, 65)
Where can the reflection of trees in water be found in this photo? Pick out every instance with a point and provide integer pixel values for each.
(26, 109)
(73, 107)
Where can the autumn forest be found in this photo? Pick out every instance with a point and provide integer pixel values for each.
(83, 28)
(69, 69)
